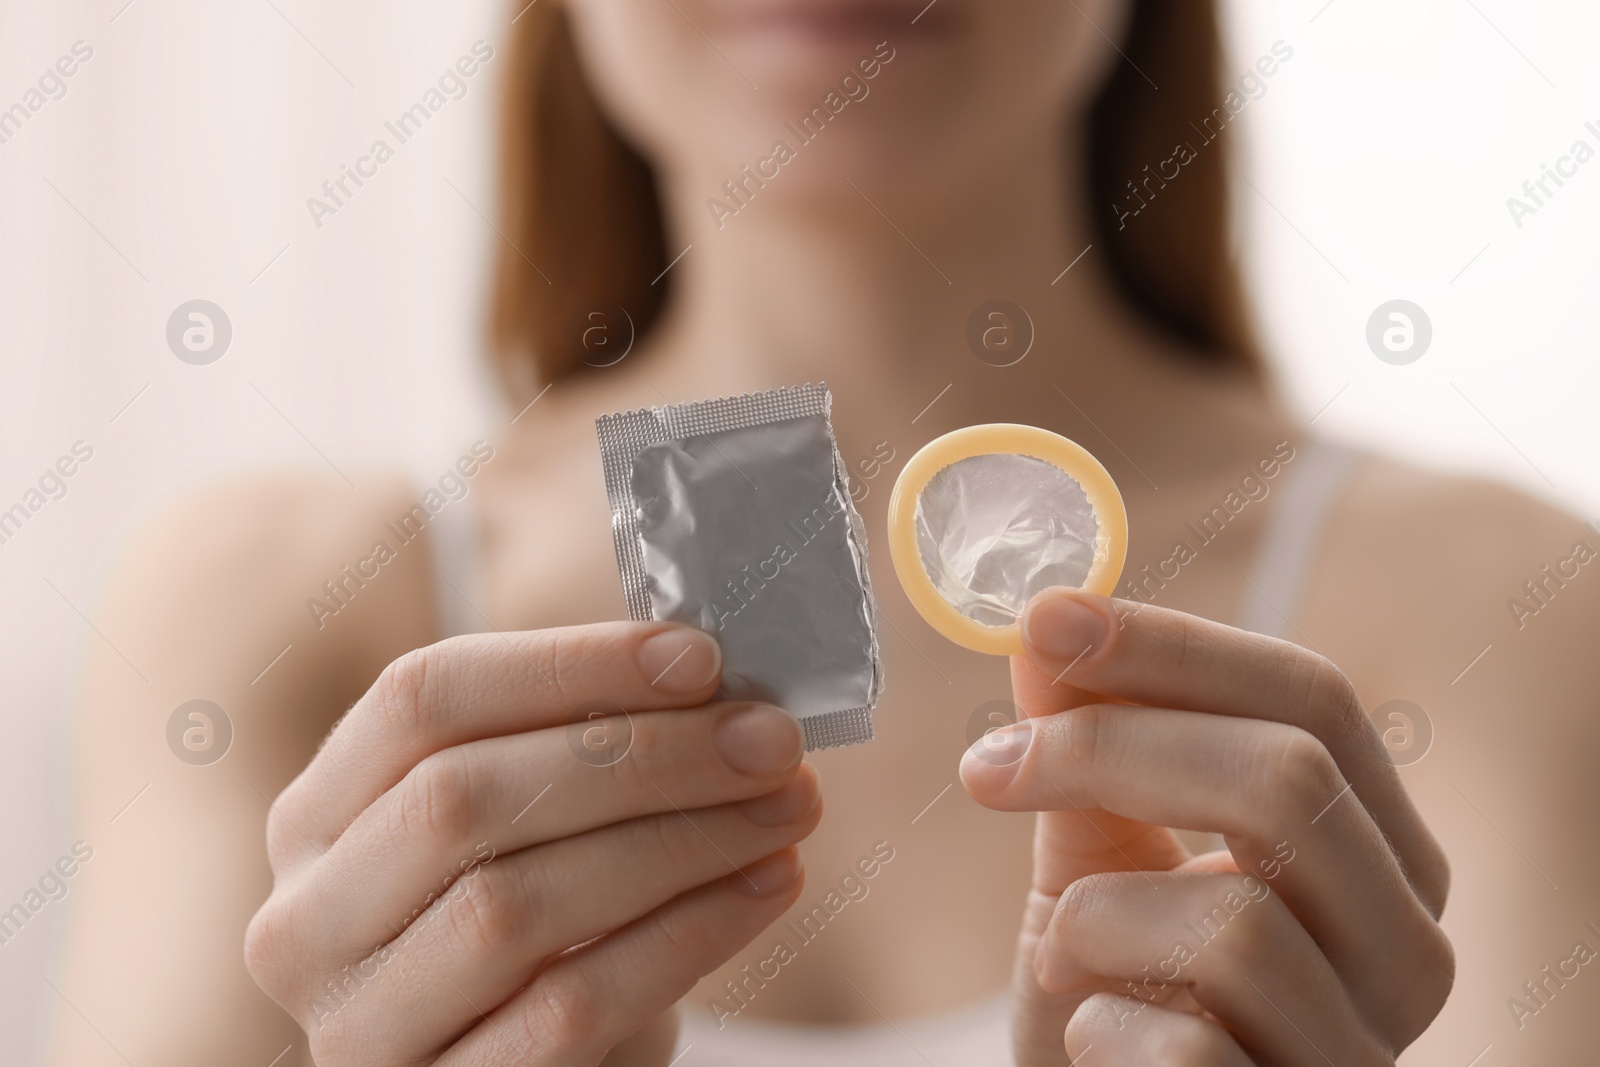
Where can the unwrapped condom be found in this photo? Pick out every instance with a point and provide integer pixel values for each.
(985, 517)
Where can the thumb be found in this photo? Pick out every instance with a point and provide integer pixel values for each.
(1069, 842)
(1066, 845)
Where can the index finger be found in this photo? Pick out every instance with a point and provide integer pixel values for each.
(1078, 643)
(487, 685)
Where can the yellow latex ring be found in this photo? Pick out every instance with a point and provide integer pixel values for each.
(1111, 519)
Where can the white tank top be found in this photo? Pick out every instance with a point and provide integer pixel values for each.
(978, 1035)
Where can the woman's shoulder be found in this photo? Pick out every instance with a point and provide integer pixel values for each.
(1441, 568)
(1473, 511)
(1462, 533)
(247, 566)
(254, 531)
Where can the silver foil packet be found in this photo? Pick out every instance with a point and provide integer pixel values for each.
(734, 515)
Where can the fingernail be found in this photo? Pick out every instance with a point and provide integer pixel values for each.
(797, 799)
(1062, 627)
(681, 660)
(758, 739)
(992, 761)
(768, 876)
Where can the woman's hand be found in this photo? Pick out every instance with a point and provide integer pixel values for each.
(489, 862)
(1311, 941)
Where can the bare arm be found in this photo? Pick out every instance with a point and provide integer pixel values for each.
(206, 598)
(1425, 569)
(1510, 787)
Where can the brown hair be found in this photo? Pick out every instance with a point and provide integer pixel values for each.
(582, 222)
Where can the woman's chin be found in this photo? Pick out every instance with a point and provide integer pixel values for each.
(788, 41)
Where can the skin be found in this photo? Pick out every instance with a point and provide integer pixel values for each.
(1231, 733)
(959, 145)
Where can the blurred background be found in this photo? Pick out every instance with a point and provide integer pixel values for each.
(176, 161)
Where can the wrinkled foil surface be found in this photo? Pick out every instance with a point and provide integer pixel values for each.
(993, 530)
(734, 515)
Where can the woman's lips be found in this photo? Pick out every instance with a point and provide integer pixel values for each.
(838, 21)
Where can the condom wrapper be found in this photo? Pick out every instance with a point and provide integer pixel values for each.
(985, 517)
(734, 515)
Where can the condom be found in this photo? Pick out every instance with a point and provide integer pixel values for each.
(734, 515)
(985, 517)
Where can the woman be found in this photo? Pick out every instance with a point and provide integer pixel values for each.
(450, 884)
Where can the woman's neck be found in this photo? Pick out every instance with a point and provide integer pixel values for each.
(851, 276)
(870, 283)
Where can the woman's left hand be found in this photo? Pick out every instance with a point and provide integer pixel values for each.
(1312, 940)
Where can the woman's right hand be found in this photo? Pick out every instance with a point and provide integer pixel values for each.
(488, 862)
